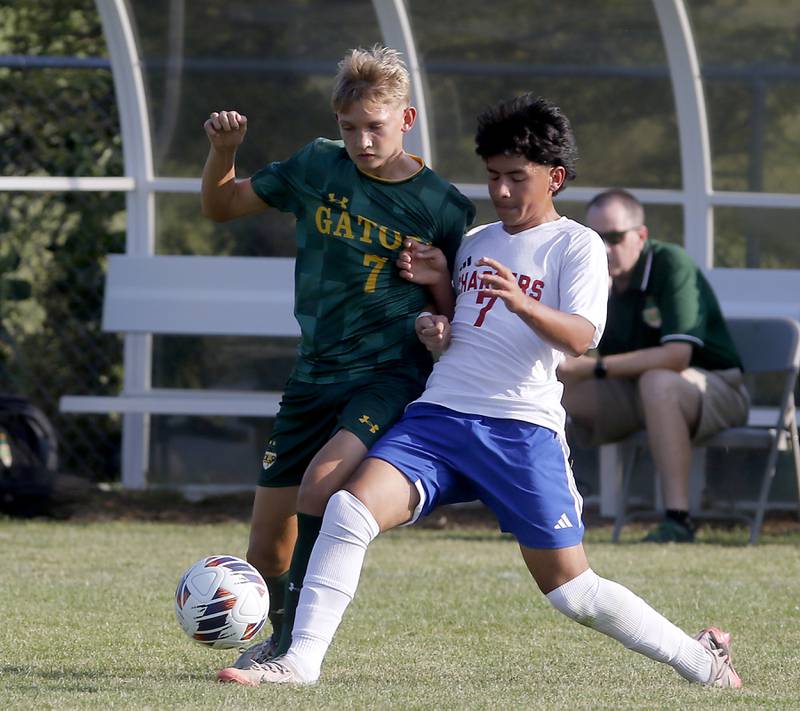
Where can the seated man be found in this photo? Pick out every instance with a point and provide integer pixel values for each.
(667, 362)
(490, 425)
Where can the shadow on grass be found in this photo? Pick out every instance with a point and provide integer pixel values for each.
(472, 522)
(726, 536)
(69, 680)
(75, 679)
(33, 672)
(62, 674)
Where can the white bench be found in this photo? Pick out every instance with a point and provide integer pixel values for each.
(222, 296)
(182, 295)
(253, 296)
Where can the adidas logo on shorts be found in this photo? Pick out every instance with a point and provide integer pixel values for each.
(563, 522)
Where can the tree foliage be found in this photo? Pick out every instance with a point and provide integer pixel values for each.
(59, 119)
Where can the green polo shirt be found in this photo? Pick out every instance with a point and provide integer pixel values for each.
(669, 299)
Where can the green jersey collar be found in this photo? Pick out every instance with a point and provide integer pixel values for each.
(415, 158)
(641, 272)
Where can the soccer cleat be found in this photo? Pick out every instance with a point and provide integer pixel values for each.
(718, 643)
(276, 671)
(670, 531)
(258, 653)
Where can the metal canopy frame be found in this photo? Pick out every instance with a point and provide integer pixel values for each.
(137, 151)
(697, 196)
(684, 69)
(396, 30)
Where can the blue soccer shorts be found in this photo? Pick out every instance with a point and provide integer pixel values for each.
(518, 469)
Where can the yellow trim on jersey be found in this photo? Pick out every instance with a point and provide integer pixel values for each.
(396, 180)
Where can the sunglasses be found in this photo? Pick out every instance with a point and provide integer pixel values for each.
(616, 236)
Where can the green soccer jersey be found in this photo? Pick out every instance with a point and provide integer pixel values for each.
(356, 313)
(669, 299)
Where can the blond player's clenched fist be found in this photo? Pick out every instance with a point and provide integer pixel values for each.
(226, 129)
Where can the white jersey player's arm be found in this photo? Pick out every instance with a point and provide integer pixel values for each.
(570, 333)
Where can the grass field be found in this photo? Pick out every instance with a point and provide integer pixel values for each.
(444, 619)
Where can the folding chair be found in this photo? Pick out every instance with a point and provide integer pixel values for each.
(765, 345)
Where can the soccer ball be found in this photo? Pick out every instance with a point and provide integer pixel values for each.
(221, 601)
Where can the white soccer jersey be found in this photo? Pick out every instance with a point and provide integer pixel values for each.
(497, 365)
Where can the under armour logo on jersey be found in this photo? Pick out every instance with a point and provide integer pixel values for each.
(563, 522)
(341, 202)
(364, 420)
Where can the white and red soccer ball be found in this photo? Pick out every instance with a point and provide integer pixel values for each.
(221, 601)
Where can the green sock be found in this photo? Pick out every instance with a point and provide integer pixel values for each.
(277, 590)
(307, 533)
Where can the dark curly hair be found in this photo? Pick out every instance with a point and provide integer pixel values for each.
(530, 126)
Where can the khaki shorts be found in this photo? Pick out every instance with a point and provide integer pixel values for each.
(724, 403)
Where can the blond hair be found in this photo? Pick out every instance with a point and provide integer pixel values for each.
(377, 75)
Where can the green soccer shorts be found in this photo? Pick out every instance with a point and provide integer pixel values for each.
(310, 414)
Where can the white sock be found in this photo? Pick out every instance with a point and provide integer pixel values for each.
(331, 580)
(614, 610)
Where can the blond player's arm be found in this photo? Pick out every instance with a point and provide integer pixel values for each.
(223, 197)
(426, 265)
(433, 330)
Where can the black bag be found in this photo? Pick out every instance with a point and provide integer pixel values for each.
(28, 458)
